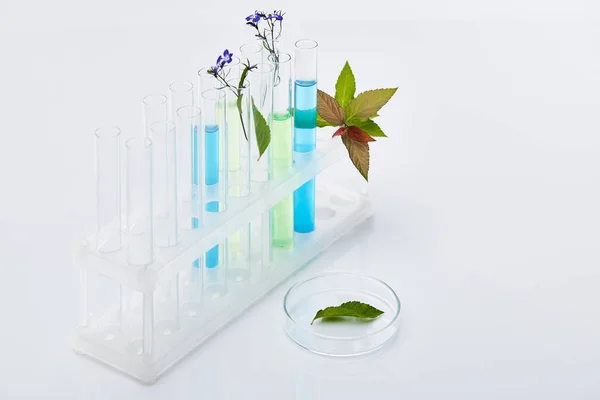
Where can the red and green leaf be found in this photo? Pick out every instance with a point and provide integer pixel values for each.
(358, 135)
(341, 131)
(359, 154)
(329, 109)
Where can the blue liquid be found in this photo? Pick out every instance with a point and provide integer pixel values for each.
(305, 116)
(211, 154)
(305, 139)
(304, 208)
(212, 256)
(195, 183)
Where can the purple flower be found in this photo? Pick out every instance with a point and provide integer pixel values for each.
(277, 15)
(227, 56)
(254, 18)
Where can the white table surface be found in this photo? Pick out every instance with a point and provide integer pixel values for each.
(487, 194)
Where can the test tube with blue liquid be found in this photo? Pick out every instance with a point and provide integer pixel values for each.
(214, 143)
(190, 184)
(305, 129)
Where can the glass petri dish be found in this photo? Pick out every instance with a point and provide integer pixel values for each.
(342, 336)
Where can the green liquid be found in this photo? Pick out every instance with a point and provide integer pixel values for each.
(282, 215)
(281, 140)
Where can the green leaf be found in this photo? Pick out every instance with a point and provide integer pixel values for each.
(345, 87)
(368, 103)
(329, 109)
(368, 126)
(359, 154)
(262, 130)
(321, 123)
(354, 309)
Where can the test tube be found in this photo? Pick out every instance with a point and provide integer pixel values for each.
(261, 88)
(215, 163)
(164, 175)
(281, 160)
(252, 52)
(305, 128)
(238, 127)
(206, 82)
(215, 149)
(181, 94)
(108, 189)
(155, 109)
(189, 169)
(261, 85)
(232, 70)
(139, 201)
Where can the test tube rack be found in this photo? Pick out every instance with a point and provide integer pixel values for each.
(143, 320)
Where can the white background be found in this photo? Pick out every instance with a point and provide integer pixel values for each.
(487, 193)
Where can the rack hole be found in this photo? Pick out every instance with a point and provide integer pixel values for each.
(340, 201)
(324, 213)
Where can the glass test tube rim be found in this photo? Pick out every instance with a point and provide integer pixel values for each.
(306, 44)
(236, 81)
(285, 60)
(259, 68)
(221, 94)
(204, 69)
(181, 86)
(170, 125)
(235, 61)
(191, 115)
(162, 99)
(130, 143)
(258, 47)
(115, 129)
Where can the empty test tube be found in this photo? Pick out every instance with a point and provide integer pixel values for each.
(139, 201)
(155, 110)
(181, 94)
(108, 189)
(164, 176)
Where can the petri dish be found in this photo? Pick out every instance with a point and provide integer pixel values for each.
(340, 336)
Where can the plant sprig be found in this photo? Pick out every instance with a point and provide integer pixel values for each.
(271, 33)
(354, 116)
(261, 129)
